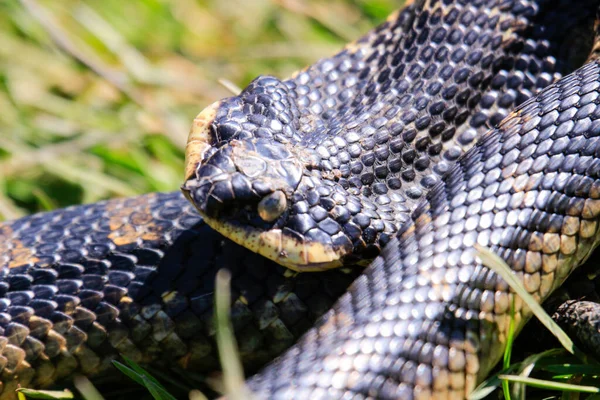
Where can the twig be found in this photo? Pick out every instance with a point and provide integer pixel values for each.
(232, 87)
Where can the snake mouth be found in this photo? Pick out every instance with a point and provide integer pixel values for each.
(244, 189)
(289, 251)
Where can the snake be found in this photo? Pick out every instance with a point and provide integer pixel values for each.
(399, 153)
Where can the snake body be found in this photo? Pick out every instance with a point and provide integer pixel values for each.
(286, 174)
(434, 320)
(321, 170)
(135, 276)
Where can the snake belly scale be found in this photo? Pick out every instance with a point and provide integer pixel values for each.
(135, 276)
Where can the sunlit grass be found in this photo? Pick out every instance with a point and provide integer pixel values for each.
(562, 376)
(97, 97)
(44, 394)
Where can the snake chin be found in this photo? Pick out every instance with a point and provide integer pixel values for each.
(288, 250)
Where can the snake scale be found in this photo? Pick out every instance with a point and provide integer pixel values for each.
(381, 148)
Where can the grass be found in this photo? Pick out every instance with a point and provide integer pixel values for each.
(562, 374)
(97, 98)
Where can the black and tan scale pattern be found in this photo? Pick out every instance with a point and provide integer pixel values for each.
(373, 128)
(426, 319)
(136, 277)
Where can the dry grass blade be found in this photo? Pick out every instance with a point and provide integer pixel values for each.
(45, 394)
(197, 395)
(233, 373)
(87, 389)
(232, 87)
(567, 387)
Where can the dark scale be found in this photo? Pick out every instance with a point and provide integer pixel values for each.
(427, 308)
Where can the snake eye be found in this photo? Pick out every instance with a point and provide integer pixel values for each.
(272, 206)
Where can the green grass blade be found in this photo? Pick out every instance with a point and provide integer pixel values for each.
(549, 385)
(573, 369)
(528, 364)
(129, 372)
(488, 386)
(524, 368)
(508, 350)
(497, 264)
(141, 371)
(156, 390)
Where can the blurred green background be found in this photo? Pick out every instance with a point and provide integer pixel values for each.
(97, 96)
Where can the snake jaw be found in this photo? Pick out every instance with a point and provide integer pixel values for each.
(293, 253)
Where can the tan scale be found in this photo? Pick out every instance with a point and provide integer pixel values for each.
(131, 224)
(199, 139)
(13, 251)
(276, 246)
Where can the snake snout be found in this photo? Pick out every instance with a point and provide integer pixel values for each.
(247, 181)
(239, 161)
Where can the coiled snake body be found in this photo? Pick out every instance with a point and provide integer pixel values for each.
(359, 152)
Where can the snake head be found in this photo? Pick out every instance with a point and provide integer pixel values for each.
(249, 174)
